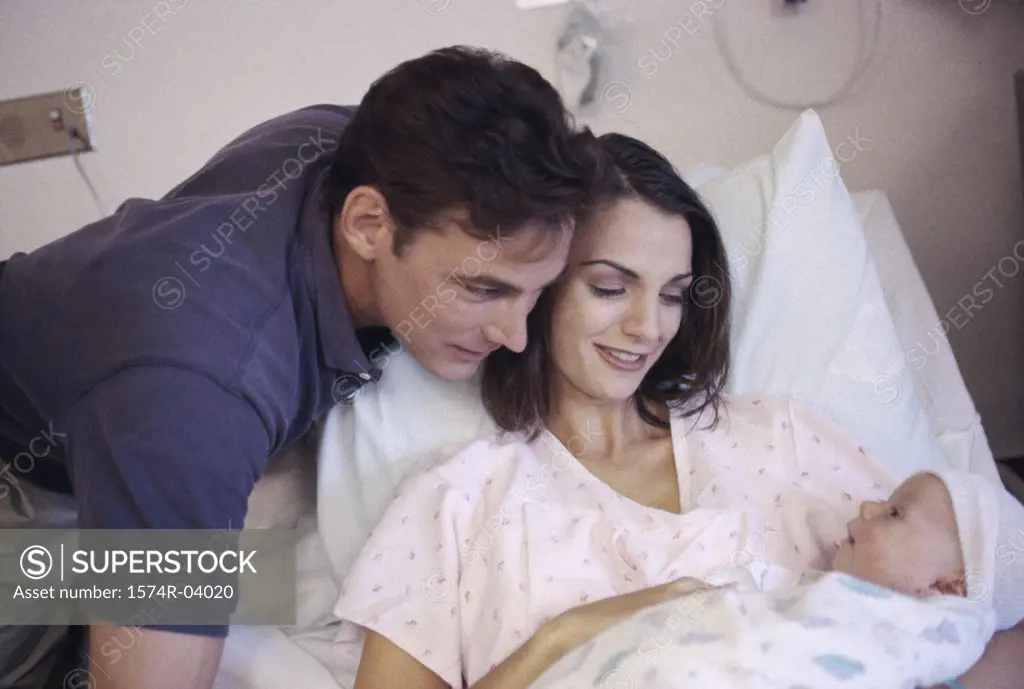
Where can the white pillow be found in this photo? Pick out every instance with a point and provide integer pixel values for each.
(810, 317)
(407, 419)
(810, 321)
(929, 363)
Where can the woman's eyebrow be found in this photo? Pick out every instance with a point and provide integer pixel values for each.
(617, 266)
(632, 273)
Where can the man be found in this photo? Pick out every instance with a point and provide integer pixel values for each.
(152, 361)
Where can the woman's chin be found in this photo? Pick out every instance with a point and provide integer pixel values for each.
(604, 386)
(613, 394)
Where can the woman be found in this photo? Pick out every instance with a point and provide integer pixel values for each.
(622, 475)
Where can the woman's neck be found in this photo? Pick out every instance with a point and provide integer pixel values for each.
(596, 430)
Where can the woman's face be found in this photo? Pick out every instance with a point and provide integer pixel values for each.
(621, 300)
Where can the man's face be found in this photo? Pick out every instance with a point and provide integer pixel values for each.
(451, 298)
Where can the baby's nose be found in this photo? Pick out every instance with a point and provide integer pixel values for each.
(870, 509)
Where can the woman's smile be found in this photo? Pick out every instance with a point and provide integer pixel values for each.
(622, 359)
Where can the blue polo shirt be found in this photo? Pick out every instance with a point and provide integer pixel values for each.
(152, 361)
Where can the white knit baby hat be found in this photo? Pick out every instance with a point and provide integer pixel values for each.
(990, 522)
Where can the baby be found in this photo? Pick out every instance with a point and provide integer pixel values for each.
(918, 588)
(938, 534)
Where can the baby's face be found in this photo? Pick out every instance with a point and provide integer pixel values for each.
(909, 542)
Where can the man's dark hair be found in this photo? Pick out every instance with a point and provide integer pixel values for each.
(467, 128)
(692, 370)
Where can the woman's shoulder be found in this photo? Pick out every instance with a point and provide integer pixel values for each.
(475, 466)
(732, 406)
(735, 412)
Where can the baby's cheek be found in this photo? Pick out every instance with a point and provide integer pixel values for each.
(945, 550)
(877, 565)
(905, 567)
(897, 567)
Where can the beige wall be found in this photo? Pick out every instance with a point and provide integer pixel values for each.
(937, 106)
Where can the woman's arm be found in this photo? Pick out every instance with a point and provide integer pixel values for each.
(574, 628)
(1000, 667)
(386, 666)
(1002, 664)
(527, 664)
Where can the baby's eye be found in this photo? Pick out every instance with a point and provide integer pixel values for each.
(894, 512)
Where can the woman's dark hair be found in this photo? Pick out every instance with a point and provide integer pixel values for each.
(692, 370)
(468, 128)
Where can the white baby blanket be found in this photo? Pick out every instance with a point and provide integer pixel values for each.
(813, 631)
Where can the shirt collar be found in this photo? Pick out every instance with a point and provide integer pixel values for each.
(339, 341)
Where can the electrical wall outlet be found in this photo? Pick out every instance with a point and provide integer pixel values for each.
(46, 125)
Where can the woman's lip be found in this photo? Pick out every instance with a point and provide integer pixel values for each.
(623, 351)
(472, 353)
(630, 366)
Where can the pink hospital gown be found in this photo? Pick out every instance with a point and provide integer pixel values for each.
(477, 552)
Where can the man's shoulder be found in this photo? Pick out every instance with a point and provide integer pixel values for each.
(276, 151)
(244, 204)
(211, 255)
(158, 282)
(326, 115)
(293, 126)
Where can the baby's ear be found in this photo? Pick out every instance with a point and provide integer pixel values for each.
(951, 587)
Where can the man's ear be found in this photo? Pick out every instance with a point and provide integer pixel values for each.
(364, 223)
(951, 587)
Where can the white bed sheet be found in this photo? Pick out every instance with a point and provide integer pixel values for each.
(272, 658)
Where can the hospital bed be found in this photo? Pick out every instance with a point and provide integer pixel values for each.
(333, 485)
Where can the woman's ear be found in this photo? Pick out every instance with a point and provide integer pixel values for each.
(364, 223)
(951, 587)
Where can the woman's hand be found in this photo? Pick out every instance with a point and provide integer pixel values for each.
(576, 626)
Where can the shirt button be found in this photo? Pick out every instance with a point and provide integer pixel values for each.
(364, 376)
